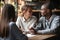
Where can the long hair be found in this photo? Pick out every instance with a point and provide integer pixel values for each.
(8, 15)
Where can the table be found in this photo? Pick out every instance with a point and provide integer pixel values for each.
(40, 37)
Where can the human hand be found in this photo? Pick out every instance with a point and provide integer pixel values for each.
(32, 31)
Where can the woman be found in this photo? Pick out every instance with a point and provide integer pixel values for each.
(8, 29)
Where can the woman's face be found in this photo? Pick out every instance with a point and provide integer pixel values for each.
(28, 13)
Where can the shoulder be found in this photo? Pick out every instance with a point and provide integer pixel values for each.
(33, 17)
(41, 18)
(19, 17)
(12, 24)
(56, 17)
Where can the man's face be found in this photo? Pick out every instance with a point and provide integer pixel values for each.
(44, 10)
(28, 13)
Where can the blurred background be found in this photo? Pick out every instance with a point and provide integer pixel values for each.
(35, 4)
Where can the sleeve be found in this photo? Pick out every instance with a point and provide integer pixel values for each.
(18, 22)
(54, 25)
(39, 25)
(33, 22)
(16, 34)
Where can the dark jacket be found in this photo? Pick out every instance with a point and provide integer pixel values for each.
(15, 33)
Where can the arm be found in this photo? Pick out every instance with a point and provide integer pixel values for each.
(19, 24)
(39, 24)
(55, 24)
(33, 23)
(35, 29)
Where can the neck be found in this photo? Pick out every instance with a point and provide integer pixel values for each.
(26, 18)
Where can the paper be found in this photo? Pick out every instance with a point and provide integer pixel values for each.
(30, 35)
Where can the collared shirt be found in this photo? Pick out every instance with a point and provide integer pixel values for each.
(48, 26)
(21, 22)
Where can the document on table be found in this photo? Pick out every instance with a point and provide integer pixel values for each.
(30, 35)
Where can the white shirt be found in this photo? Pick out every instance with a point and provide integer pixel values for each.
(26, 24)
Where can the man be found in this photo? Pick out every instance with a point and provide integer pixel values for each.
(27, 20)
(48, 23)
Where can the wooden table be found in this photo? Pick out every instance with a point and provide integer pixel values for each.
(40, 37)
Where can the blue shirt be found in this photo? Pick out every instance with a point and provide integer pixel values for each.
(48, 26)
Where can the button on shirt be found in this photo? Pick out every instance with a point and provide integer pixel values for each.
(26, 24)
